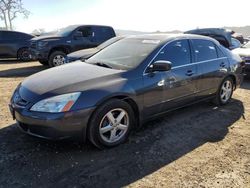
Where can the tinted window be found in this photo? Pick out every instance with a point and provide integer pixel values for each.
(86, 31)
(106, 32)
(177, 52)
(204, 50)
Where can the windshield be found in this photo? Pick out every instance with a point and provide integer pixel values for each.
(66, 31)
(247, 45)
(109, 42)
(125, 54)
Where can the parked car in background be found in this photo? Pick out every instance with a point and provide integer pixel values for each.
(235, 43)
(15, 44)
(124, 85)
(238, 36)
(52, 49)
(86, 53)
(244, 53)
(222, 35)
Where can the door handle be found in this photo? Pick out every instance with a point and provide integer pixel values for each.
(222, 64)
(189, 73)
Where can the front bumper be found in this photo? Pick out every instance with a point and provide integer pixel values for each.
(53, 126)
(39, 54)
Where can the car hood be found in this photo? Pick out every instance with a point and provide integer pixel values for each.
(73, 77)
(86, 53)
(46, 38)
(243, 52)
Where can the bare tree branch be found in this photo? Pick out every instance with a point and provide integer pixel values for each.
(10, 9)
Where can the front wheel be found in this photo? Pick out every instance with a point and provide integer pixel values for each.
(110, 125)
(24, 54)
(225, 91)
(57, 58)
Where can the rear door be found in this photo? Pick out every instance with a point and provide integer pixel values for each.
(8, 44)
(86, 41)
(175, 87)
(212, 66)
(102, 33)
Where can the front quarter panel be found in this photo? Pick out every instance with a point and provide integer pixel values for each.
(111, 89)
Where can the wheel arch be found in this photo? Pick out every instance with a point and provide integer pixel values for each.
(124, 98)
(233, 77)
(64, 49)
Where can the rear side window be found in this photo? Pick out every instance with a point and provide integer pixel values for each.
(177, 52)
(204, 50)
(107, 32)
(103, 33)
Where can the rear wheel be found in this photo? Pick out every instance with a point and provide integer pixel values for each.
(24, 54)
(110, 125)
(225, 91)
(57, 58)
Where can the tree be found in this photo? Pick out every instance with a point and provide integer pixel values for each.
(10, 9)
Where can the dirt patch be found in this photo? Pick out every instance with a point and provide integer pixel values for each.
(197, 146)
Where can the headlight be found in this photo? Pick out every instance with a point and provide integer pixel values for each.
(42, 44)
(60, 103)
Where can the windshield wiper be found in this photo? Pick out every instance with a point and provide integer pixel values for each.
(103, 65)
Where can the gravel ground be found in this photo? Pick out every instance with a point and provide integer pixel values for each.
(197, 146)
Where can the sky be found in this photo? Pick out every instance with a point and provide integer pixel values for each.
(137, 15)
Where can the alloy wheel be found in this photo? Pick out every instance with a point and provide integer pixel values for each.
(58, 60)
(226, 91)
(114, 125)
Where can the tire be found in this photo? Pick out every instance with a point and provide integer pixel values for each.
(44, 62)
(24, 54)
(224, 92)
(57, 58)
(105, 132)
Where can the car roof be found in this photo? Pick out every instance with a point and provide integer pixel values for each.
(87, 25)
(168, 37)
(7, 31)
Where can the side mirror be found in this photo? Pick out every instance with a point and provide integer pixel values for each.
(160, 66)
(78, 35)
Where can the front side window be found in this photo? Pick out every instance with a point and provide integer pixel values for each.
(86, 31)
(204, 50)
(177, 52)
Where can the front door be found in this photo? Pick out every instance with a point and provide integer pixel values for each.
(85, 41)
(170, 89)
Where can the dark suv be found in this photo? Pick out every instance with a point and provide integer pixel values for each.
(220, 34)
(52, 49)
(14, 45)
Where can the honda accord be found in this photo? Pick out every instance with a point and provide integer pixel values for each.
(124, 85)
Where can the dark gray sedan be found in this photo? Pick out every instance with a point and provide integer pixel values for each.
(124, 85)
